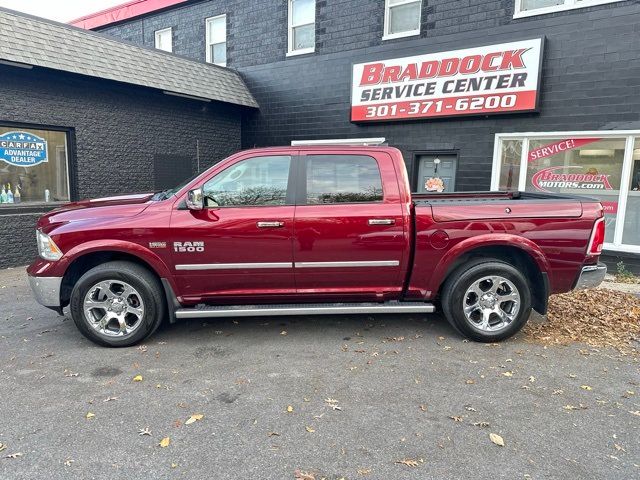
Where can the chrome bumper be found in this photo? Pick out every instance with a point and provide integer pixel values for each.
(591, 276)
(46, 290)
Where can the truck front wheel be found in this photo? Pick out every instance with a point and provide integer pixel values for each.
(117, 304)
(487, 300)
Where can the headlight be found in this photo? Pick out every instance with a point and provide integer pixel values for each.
(47, 248)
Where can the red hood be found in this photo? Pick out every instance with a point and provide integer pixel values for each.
(99, 208)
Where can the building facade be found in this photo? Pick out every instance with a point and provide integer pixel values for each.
(71, 129)
(573, 126)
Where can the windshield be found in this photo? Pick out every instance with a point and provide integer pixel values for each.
(164, 194)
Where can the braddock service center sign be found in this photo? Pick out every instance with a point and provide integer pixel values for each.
(23, 149)
(486, 80)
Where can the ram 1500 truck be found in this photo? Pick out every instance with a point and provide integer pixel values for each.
(313, 230)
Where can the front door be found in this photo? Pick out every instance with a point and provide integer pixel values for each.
(350, 236)
(240, 245)
(432, 168)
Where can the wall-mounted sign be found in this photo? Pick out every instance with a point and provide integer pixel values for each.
(23, 149)
(567, 177)
(486, 80)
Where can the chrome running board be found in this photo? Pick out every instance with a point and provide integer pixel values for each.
(209, 311)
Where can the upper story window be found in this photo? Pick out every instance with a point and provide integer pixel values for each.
(527, 8)
(164, 39)
(217, 40)
(302, 26)
(401, 18)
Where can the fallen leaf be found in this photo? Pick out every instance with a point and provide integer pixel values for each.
(289, 409)
(273, 434)
(336, 407)
(2, 446)
(586, 387)
(90, 415)
(14, 455)
(165, 442)
(636, 413)
(364, 471)
(507, 374)
(68, 462)
(283, 332)
(174, 465)
(144, 431)
(309, 429)
(137, 378)
(330, 400)
(423, 408)
(300, 475)
(456, 419)
(532, 379)
(194, 418)
(497, 439)
(110, 399)
(409, 462)
(469, 408)
(481, 424)
(470, 381)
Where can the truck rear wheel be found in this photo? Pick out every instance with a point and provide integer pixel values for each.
(117, 304)
(487, 300)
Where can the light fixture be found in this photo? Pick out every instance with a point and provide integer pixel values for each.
(597, 153)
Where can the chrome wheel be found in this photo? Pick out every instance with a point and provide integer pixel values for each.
(113, 308)
(491, 303)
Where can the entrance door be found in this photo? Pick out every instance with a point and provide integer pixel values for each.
(437, 166)
(349, 235)
(240, 244)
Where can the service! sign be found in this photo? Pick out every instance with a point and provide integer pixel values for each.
(487, 80)
(23, 149)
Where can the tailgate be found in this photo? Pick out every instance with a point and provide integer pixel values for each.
(478, 210)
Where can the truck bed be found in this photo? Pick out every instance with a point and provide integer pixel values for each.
(457, 198)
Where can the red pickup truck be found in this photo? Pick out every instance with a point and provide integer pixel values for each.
(313, 230)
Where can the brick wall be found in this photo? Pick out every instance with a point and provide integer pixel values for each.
(118, 130)
(591, 70)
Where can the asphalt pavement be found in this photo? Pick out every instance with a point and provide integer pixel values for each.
(358, 397)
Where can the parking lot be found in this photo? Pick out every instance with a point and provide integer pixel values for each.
(386, 397)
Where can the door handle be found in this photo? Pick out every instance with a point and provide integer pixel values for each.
(381, 221)
(271, 224)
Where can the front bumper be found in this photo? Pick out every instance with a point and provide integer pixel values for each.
(591, 276)
(46, 290)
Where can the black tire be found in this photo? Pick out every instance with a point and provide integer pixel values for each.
(145, 284)
(455, 288)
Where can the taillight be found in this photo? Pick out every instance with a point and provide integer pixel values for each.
(597, 238)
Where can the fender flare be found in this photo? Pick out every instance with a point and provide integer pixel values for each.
(129, 248)
(488, 240)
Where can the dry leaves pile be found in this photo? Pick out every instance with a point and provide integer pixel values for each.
(598, 317)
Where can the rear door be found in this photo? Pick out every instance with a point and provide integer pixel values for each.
(349, 233)
(239, 248)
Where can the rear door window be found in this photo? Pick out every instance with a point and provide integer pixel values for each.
(342, 179)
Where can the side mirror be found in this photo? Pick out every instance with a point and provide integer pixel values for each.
(195, 199)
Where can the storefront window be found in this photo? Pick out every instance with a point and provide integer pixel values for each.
(583, 166)
(510, 168)
(33, 166)
(594, 164)
(631, 233)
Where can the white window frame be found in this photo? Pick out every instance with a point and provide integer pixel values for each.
(209, 25)
(409, 33)
(157, 35)
(625, 179)
(568, 5)
(301, 51)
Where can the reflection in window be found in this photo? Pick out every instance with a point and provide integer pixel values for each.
(251, 182)
(511, 155)
(217, 40)
(302, 26)
(583, 166)
(342, 179)
(631, 232)
(33, 166)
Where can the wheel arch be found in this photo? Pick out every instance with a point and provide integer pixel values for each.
(528, 259)
(93, 255)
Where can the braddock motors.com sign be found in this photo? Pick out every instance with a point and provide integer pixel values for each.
(23, 149)
(475, 81)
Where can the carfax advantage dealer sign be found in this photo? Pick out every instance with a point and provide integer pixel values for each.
(486, 80)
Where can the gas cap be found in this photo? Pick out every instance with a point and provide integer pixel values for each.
(439, 239)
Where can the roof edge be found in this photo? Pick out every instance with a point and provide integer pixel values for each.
(119, 13)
